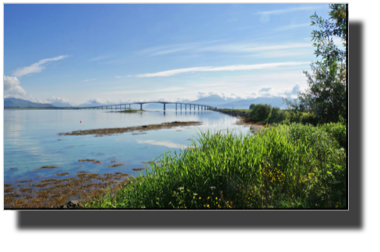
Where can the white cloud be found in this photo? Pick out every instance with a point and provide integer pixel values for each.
(88, 80)
(281, 11)
(264, 90)
(167, 49)
(100, 58)
(244, 48)
(225, 68)
(224, 48)
(12, 87)
(124, 92)
(58, 100)
(275, 54)
(292, 26)
(36, 67)
(248, 86)
(99, 100)
(117, 77)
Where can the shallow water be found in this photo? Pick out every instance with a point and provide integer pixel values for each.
(31, 140)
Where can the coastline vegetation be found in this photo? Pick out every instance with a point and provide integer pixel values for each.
(288, 166)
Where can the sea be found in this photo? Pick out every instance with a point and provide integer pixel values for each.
(32, 140)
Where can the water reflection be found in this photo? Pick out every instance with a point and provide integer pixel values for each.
(31, 139)
(166, 143)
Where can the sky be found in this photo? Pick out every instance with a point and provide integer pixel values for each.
(114, 53)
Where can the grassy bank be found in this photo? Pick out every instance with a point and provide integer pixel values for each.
(248, 114)
(289, 166)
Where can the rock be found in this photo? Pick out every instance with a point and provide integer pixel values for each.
(72, 204)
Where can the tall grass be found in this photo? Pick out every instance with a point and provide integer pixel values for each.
(289, 166)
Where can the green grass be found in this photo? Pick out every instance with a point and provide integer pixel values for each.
(288, 166)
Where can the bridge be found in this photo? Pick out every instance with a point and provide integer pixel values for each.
(124, 105)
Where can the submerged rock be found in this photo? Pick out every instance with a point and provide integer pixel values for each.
(72, 204)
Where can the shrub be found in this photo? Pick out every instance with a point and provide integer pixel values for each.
(261, 112)
(338, 131)
(251, 106)
(277, 115)
(293, 116)
(308, 118)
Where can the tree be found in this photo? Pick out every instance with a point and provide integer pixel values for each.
(251, 106)
(326, 96)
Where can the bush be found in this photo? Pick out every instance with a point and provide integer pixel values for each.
(338, 131)
(308, 118)
(293, 116)
(277, 115)
(251, 106)
(261, 112)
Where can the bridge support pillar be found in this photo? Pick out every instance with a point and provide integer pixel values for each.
(198, 107)
(164, 107)
(140, 106)
(181, 106)
(176, 106)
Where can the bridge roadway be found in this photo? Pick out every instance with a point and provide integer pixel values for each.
(119, 106)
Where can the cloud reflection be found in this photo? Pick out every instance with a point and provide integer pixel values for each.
(166, 143)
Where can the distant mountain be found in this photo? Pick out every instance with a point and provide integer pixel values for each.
(219, 102)
(212, 100)
(238, 103)
(14, 102)
(244, 104)
(92, 104)
(59, 104)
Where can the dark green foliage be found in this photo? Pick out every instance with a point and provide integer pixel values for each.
(261, 112)
(251, 106)
(338, 131)
(308, 118)
(315, 137)
(326, 97)
(277, 115)
(294, 116)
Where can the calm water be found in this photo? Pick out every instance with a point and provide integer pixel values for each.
(31, 140)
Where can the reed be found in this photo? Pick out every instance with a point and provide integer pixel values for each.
(287, 166)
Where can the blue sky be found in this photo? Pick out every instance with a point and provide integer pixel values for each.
(130, 52)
